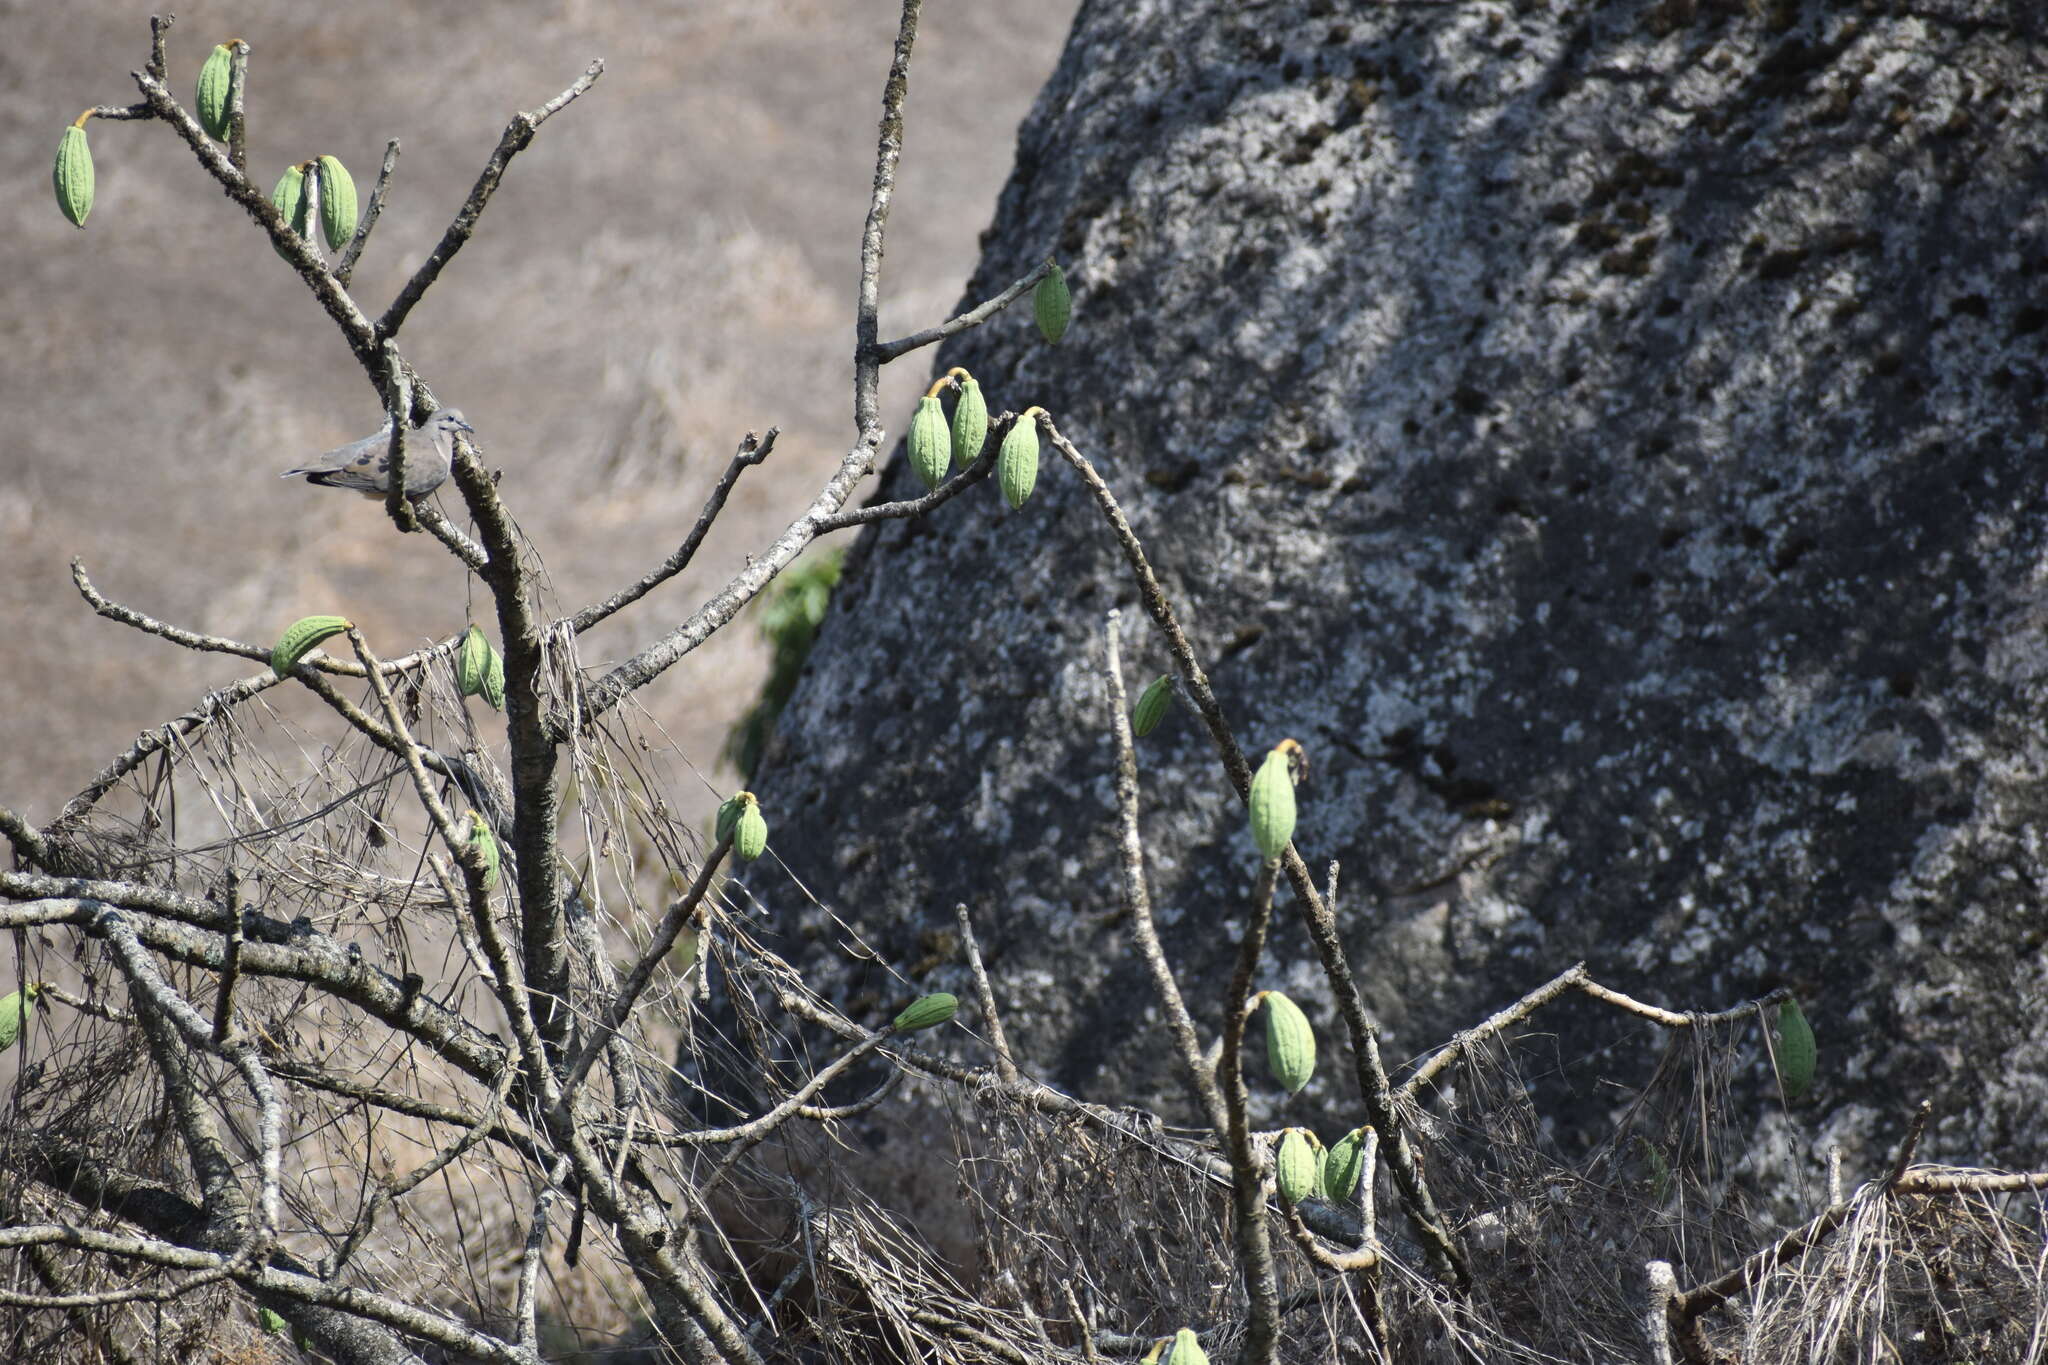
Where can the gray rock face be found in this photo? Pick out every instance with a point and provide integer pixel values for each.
(1607, 436)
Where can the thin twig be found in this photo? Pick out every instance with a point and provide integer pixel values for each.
(1220, 1094)
(345, 268)
(238, 120)
(984, 465)
(518, 133)
(887, 351)
(231, 970)
(680, 912)
(751, 452)
(867, 365)
(1006, 1065)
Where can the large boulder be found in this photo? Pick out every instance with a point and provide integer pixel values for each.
(1606, 435)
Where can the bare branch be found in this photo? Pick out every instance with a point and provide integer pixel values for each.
(867, 365)
(887, 351)
(345, 268)
(518, 133)
(750, 452)
(1006, 1065)
(983, 466)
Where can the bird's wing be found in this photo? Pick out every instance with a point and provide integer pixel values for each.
(345, 464)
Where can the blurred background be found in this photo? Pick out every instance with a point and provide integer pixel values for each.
(668, 266)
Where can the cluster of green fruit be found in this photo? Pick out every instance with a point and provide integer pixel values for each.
(333, 187)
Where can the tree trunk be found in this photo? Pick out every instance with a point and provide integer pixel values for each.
(1607, 436)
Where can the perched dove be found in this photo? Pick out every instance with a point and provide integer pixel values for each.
(365, 465)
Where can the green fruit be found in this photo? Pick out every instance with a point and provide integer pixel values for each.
(1290, 1042)
(740, 817)
(337, 203)
(970, 423)
(750, 834)
(214, 78)
(1343, 1165)
(1296, 1167)
(290, 200)
(1795, 1049)
(485, 842)
(271, 1322)
(298, 641)
(1152, 705)
(1185, 1350)
(472, 661)
(15, 1009)
(729, 813)
(1017, 461)
(927, 1012)
(1272, 802)
(494, 679)
(1052, 304)
(931, 444)
(73, 174)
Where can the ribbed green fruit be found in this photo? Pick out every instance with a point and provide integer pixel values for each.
(1290, 1042)
(1272, 803)
(485, 842)
(337, 203)
(494, 679)
(72, 175)
(15, 1009)
(1152, 705)
(927, 1012)
(931, 442)
(1185, 1350)
(1052, 305)
(970, 423)
(1296, 1168)
(1795, 1049)
(740, 816)
(1017, 461)
(300, 638)
(289, 198)
(212, 105)
(1342, 1166)
(472, 661)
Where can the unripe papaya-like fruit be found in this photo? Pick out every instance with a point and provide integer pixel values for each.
(1342, 1166)
(927, 1012)
(289, 198)
(970, 422)
(1272, 802)
(1052, 304)
(485, 842)
(214, 78)
(740, 816)
(337, 203)
(72, 175)
(472, 661)
(1017, 461)
(300, 637)
(494, 678)
(1290, 1042)
(1795, 1049)
(931, 443)
(1296, 1168)
(15, 1009)
(1152, 705)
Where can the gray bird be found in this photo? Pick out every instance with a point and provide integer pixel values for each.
(365, 465)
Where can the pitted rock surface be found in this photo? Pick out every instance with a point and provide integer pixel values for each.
(1607, 436)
